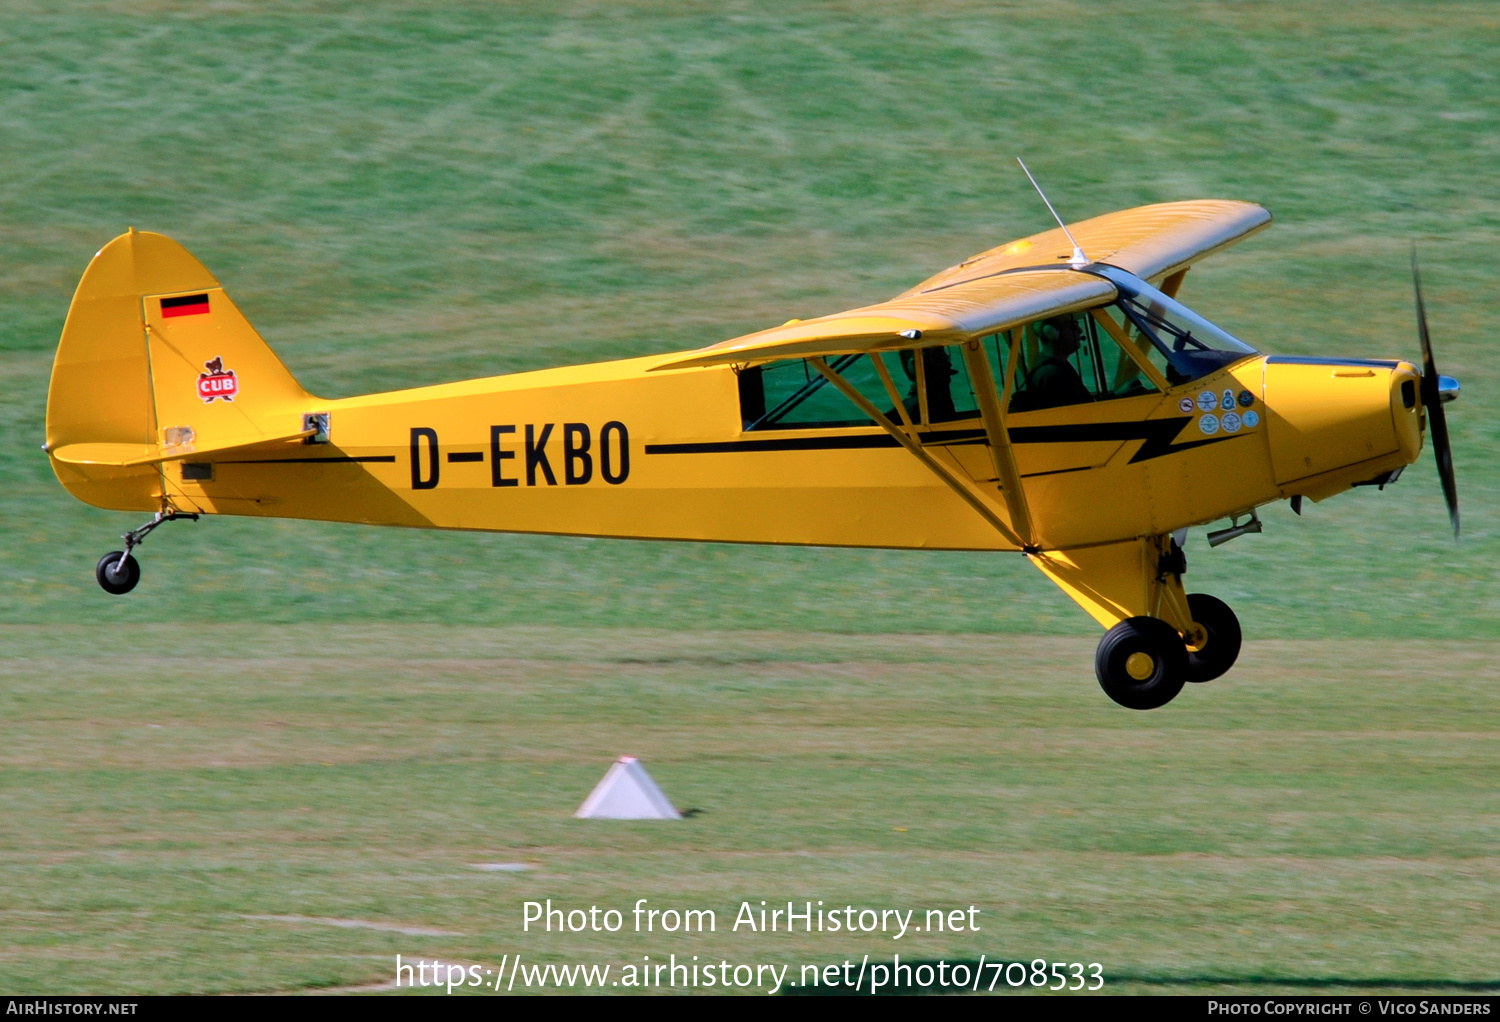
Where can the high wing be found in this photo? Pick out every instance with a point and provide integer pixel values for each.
(1005, 286)
(947, 314)
(1149, 241)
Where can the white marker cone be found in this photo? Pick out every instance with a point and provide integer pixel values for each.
(627, 792)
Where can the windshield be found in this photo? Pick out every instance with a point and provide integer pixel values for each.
(1192, 346)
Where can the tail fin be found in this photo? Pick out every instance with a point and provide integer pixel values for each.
(156, 363)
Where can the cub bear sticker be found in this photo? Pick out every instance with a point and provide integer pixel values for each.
(218, 382)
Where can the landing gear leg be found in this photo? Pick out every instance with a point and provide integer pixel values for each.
(117, 571)
(1141, 663)
(1222, 646)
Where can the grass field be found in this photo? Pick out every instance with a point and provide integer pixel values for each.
(1281, 830)
(292, 719)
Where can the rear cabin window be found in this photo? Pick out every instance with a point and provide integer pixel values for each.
(794, 395)
(950, 391)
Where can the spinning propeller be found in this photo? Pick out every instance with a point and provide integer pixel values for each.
(1436, 391)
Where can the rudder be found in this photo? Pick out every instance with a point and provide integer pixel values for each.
(154, 351)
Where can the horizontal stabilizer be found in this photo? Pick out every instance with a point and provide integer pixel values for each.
(131, 455)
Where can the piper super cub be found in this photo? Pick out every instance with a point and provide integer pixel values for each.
(1031, 399)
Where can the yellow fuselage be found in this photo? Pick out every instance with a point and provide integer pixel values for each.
(612, 449)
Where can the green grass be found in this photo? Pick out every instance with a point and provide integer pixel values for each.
(404, 194)
(1309, 824)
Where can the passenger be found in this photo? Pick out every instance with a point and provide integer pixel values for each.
(1054, 381)
(938, 368)
(912, 402)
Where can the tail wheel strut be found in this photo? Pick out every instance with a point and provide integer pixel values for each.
(117, 571)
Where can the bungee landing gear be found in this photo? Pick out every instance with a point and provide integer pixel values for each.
(117, 571)
(1143, 662)
(1219, 645)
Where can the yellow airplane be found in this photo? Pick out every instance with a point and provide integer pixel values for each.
(1029, 399)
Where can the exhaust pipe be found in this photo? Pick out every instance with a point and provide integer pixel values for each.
(1235, 530)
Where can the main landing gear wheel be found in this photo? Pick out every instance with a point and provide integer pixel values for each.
(117, 572)
(1219, 653)
(1142, 663)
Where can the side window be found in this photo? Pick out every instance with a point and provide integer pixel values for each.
(1072, 359)
(1059, 364)
(1126, 378)
(794, 395)
(950, 394)
(950, 391)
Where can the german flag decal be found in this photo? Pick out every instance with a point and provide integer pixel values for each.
(186, 305)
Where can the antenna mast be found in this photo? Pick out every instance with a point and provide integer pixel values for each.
(1078, 259)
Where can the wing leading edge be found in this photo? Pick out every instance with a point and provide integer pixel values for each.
(1006, 286)
(915, 320)
(1149, 241)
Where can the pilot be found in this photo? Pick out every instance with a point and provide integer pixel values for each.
(1054, 381)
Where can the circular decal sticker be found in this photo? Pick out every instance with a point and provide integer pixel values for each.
(1207, 401)
(1209, 424)
(1230, 422)
(1186, 405)
(1246, 399)
(1250, 420)
(1227, 401)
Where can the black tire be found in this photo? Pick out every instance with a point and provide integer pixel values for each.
(1223, 646)
(119, 581)
(1151, 649)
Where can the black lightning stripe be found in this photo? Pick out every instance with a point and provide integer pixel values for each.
(1160, 443)
(790, 443)
(1158, 435)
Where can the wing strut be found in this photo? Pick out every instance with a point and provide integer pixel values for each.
(993, 414)
(958, 486)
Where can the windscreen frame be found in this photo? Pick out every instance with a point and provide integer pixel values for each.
(1135, 291)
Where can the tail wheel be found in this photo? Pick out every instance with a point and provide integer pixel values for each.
(117, 572)
(1142, 663)
(1219, 653)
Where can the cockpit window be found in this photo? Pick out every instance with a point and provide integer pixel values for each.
(1192, 346)
(1190, 350)
(1069, 359)
(1074, 358)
